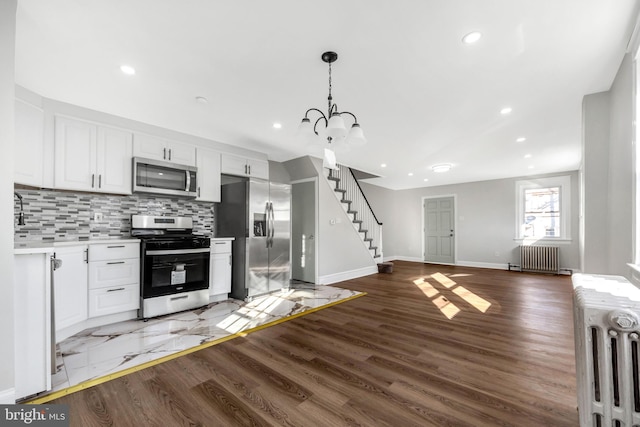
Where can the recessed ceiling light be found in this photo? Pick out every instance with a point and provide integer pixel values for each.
(445, 167)
(521, 139)
(201, 99)
(277, 125)
(384, 165)
(128, 70)
(472, 37)
(410, 173)
(506, 110)
(531, 167)
(527, 156)
(426, 179)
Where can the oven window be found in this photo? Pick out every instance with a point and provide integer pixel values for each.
(154, 176)
(168, 274)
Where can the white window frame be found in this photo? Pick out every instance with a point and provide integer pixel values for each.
(564, 183)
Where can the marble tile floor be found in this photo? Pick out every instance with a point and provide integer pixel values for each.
(103, 351)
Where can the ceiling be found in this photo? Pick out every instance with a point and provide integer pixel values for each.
(421, 96)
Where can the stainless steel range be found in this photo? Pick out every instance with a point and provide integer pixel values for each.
(174, 270)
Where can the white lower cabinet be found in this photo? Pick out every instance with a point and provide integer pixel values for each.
(114, 278)
(113, 300)
(70, 286)
(220, 274)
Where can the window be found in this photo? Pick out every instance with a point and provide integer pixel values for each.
(543, 208)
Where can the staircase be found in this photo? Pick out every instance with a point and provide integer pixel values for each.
(358, 209)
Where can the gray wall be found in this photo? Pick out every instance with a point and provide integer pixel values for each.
(608, 176)
(7, 53)
(485, 222)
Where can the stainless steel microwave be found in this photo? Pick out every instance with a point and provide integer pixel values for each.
(158, 177)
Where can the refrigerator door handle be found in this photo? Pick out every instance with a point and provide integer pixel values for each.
(267, 224)
(272, 227)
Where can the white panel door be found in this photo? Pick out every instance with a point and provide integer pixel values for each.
(149, 147)
(220, 273)
(439, 240)
(258, 168)
(75, 154)
(29, 146)
(234, 165)
(70, 287)
(181, 153)
(114, 164)
(208, 164)
(303, 230)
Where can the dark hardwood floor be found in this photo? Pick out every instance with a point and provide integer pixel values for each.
(391, 358)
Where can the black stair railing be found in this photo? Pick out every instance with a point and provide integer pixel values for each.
(358, 206)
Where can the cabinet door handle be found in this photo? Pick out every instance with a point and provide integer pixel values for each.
(249, 166)
(100, 181)
(113, 247)
(229, 259)
(115, 290)
(93, 180)
(169, 153)
(86, 255)
(115, 262)
(164, 154)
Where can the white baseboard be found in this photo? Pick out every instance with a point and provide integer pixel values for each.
(492, 265)
(8, 396)
(347, 275)
(403, 258)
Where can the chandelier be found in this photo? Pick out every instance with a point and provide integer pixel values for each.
(332, 124)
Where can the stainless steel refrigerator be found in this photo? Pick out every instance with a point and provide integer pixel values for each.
(258, 214)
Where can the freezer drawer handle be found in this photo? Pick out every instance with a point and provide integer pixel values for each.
(180, 297)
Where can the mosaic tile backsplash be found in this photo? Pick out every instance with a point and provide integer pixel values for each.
(61, 215)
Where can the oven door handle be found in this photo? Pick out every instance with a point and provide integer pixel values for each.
(178, 251)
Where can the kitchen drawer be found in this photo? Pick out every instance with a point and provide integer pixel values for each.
(113, 251)
(220, 246)
(103, 274)
(113, 300)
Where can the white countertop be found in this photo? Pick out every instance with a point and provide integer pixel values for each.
(223, 238)
(35, 247)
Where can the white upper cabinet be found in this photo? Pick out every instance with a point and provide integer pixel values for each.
(208, 164)
(75, 154)
(114, 165)
(237, 165)
(89, 157)
(29, 144)
(153, 147)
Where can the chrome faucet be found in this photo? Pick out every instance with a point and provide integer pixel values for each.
(21, 214)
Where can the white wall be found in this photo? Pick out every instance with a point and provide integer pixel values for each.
(341, 253)
(485, 222)
(7, 94)
(608, 176)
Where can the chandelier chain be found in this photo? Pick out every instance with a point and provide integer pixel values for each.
(330, 97)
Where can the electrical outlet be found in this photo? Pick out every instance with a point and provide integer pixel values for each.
(97, 216)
